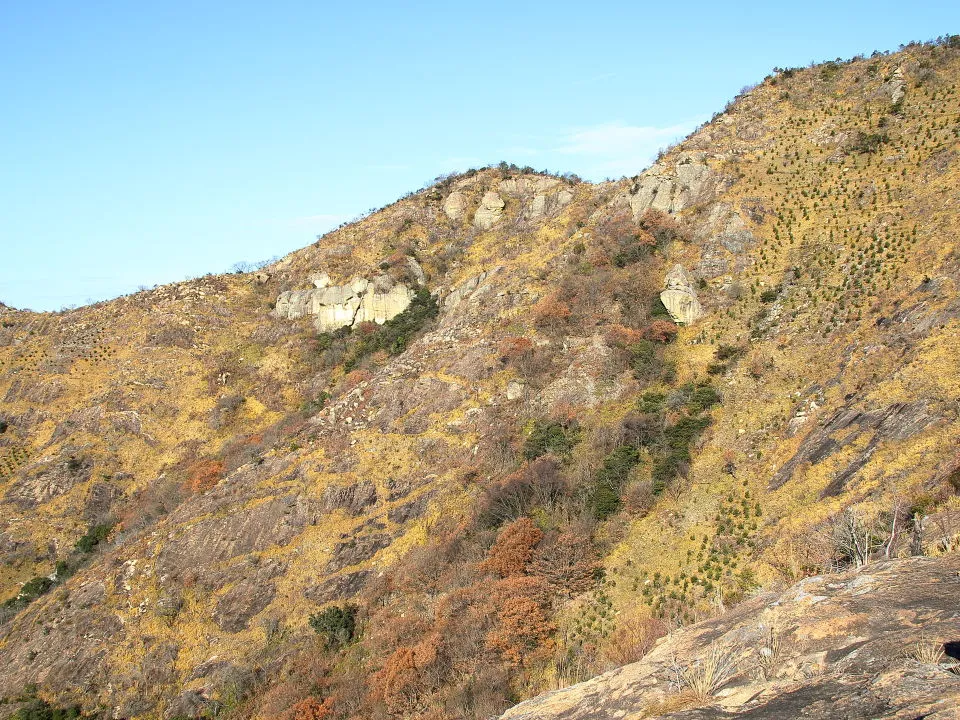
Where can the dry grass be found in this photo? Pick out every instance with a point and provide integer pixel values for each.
(705, 676)
(926, 652)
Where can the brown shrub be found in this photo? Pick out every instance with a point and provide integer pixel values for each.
(312, 709)
(366, 328)
(638, 497)
(661, 331)
(513, 549)
(522, 629)
(407, 676)
(515, 348)
(566, 564)
(551, 313)
(622, 337)
(662, 226)
(631, 640)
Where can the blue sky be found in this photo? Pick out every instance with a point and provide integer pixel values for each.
(141, 143)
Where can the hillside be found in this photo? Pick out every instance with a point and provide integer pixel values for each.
(491, 440)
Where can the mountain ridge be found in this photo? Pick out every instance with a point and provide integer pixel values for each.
(510, 482)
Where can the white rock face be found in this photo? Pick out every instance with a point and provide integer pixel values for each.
(527, 185)
(541, 196)
(380, 307)
(455, 205)
(489, 212)
(337, 306)
(416, 271)
(897, 86)
(680, 297)
(671, 189)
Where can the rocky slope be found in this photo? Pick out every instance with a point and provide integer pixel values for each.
(470, 415)
(867, 644)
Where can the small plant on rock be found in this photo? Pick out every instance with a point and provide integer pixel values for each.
(705, 676)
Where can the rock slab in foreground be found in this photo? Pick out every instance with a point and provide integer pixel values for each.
(845, 646)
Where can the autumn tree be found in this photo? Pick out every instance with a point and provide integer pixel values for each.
(662, 226)
(408, 676)
(622, 337)
(513, 549)
(660, 331)
(522, 629)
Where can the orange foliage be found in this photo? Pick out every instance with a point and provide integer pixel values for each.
(515, 347)
(662, 226)
(513, 549)
(551, 312)
(661, 331)
(405, 677)
(622, 337)
(312, 709)
(203, 475)
(521, 633)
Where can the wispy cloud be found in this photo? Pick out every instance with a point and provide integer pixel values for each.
(615, 149)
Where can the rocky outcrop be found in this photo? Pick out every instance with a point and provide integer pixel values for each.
(680, 296)
(896, 86)
(337, 306)
(725, 242)
(467, 288)
(673, 188)
(489, 212)
(455, 205)
(851, 646)
(852, 426)
(541, 196)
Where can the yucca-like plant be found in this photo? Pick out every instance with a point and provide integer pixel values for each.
(704, 677)
(926, 652)
(770, 656)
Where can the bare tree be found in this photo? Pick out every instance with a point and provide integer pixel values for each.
(897, 519)
(855, 539)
